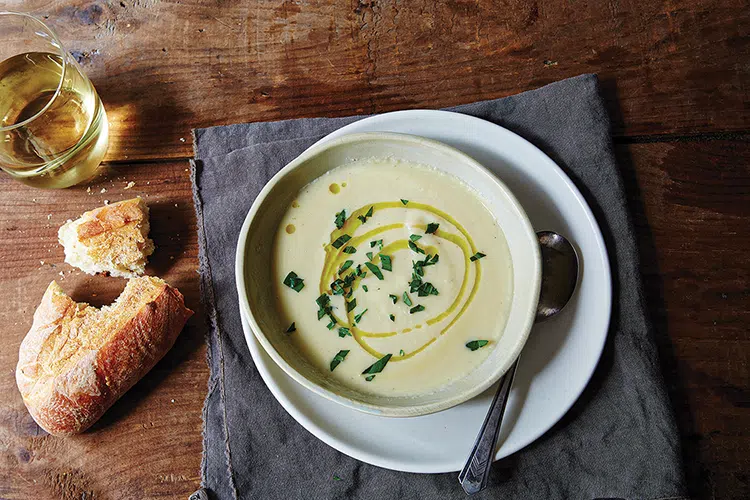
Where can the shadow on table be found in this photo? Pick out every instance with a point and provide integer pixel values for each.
(695, 473)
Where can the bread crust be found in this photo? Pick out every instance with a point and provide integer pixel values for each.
(67, 399)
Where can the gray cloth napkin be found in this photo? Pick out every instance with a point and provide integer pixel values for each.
(618, 441)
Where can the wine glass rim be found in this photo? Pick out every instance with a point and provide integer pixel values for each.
(63, 55)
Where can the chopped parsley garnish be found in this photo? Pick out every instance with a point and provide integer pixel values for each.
(337, 287)
(364, 218)
(427, 289)
(407, 300)
(477, 256)
(393, 318)
(338, 358)
(430, 260)
(432, 227)
(321, 312)
(336, 478)
(377, 366)
(358, 317)
(323, 300)
(476, 344)
(401, 352)
(415, 237)
(414, 247)
(349, 280)
(364, 287)
(404, 201)
(332, 324)
(341, 240)
(369, 379)
(416, 309)
(351, 305)
(346, 265)
(417, 267)
(375, 270)
(378, 243)
(349, 249)
(369, 255)
(385, 262)
(294, 282)
(393, 298)
(291, 328)
(360, 272)
(344, 332)
(340, 219)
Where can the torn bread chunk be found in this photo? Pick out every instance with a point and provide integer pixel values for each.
(77, 360)
(110, 239)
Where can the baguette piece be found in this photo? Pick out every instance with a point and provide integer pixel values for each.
(110, 239)
(77, 360)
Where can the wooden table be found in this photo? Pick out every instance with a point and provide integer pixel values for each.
(676, 78)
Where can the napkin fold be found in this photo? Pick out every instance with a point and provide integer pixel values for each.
(618, 441)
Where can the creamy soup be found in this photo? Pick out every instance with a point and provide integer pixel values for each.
(393, 277)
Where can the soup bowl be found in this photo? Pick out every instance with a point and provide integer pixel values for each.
(254, 269)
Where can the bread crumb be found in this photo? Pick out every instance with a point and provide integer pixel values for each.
(49, 216)
(106, 202)
(175, 205)
(104, 190)
(62, 275)
(130, 185)
(173, 400)
(182, 139)
(41, 262)
(88, 190)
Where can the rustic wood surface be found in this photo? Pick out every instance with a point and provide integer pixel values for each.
(675, 77)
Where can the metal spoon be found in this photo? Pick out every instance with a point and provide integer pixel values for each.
(559, 278)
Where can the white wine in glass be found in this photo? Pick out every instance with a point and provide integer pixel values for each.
(53, 128)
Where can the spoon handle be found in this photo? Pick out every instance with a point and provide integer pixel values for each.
(473, 477)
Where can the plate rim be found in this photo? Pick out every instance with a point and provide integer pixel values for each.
(399, 465)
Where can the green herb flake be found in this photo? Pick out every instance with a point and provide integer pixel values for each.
(336, 478)
(415, 237)
(407, 300)
(385, 262)
(344, 332)
(364, 287)
(393, 318)
(350, 249)
(291, 328)
(337, 287)
(294, 282)
(323, 300)
(369, 379)
(393, 298)
(375, 270)
(358, 317)
(338, 358)
(340, 219)
(338, 242)
(477, 256)
(351, 305)
(377, 366)
(430, 260)
(476, 344)
(415, 248)
(332, 324)
(427, 289)
(321, 312)
(404, 201)
(432, 227)
(369, 255)
(416, 309)
(364, 218)
(401, 352)
(376, 243)
(346, 265)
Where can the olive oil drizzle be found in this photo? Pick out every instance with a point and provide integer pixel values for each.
(335, 257)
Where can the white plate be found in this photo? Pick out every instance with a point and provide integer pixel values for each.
(560, 355)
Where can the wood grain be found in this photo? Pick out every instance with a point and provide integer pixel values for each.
(691, 204)
(165, 67)
(148, 445)
(670, 71)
